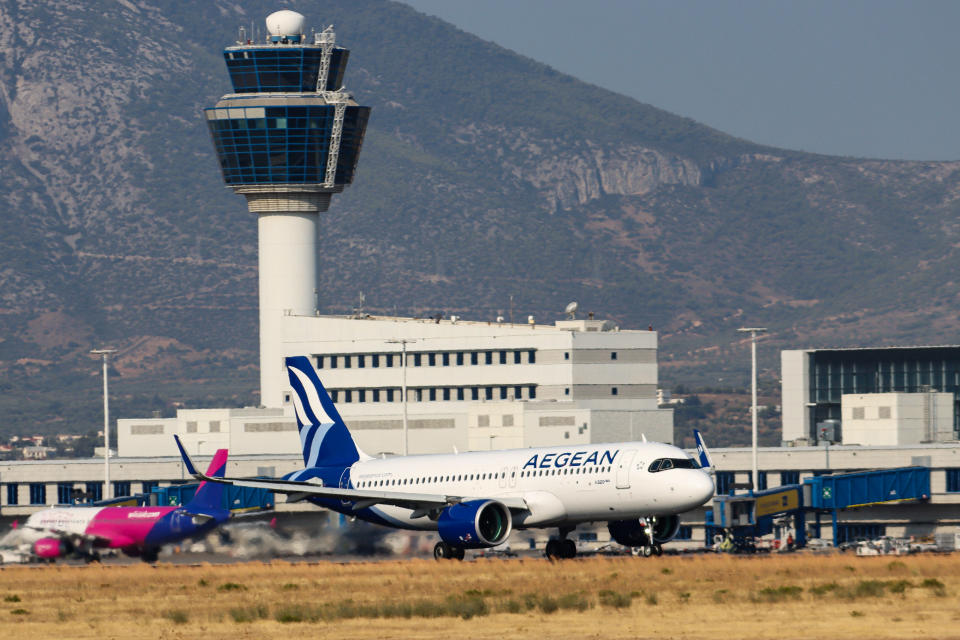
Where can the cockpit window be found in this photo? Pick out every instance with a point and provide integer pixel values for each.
(663, 464)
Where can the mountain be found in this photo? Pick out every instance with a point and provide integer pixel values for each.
(484, 175)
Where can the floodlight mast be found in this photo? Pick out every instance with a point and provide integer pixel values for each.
(403, 342)
(107, 492)
(753, 331)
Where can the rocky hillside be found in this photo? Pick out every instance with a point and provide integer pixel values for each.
(484, 175)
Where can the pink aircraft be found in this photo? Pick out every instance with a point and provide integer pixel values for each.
(137, 531)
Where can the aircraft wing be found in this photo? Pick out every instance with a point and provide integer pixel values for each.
(362, 498)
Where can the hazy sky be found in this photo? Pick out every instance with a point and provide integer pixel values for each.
(872, 78)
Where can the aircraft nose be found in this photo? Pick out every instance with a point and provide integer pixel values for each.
(701, 487)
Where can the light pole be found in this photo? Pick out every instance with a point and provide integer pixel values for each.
(107, 491)
(403, 342)
(753, 331)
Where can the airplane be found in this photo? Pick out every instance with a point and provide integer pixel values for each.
(137, 531)
(474, 499)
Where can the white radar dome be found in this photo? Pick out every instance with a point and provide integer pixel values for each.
(285, 23)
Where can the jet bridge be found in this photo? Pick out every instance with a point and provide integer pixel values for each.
(740, 518)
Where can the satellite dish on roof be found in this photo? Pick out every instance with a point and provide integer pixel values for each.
(285, 23)
(571, 310)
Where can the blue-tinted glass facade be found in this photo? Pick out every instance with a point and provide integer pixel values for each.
(13, 490)
(283, 69)
(854, 532)
(94, 491)
(64, 493)
(284, 144)
(789, 477)
(121, 488)
(724, 482)
(907, 369)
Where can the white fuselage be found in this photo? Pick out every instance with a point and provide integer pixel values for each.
(560, 485)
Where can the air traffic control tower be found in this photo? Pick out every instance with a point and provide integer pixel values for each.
(287, 138)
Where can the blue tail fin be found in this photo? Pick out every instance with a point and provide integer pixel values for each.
(704, 454)
(209, 495)
(323, 435)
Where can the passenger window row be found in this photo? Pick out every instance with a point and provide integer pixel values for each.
(470, 477)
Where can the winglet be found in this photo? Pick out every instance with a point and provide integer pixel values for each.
(704, 454)
(187, 462)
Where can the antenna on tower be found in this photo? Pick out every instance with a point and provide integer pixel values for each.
(358, 310)
(242, 36)
(571, 310)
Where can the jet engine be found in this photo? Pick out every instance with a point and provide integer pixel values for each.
(475, 524)
(48, 548)
(665, 528)
(633, 533)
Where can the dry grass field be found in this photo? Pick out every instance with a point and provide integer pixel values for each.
(795, 596)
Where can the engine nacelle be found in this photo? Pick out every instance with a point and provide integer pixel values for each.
(629, 533)
(665, 528)
(476, 524)
(632, 533)
(48, 548)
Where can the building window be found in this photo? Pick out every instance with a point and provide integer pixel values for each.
(488, 357)
(953, 480)
(446, 393)
(613, 355)
(613, 391)
(64, 492)
(375, 360)
(149, 485)
(121, 488)
(460, 358)
(518, 392)
(761, 480)
(319, 362)
(566, 355)
(503, 357)
(346, 362)
(334, 395)
(418, 395)
(533, 392)
(474, 393)
(685, 532)
(724, 482)
(432, 359)
(446, 359)
(531, 357)
(433, 394)
(789, 477)
(333, 362)
(488, 393)
(417, 358)
(507, 420)
(389, 395)
(503, 393)
(94, 491)
(376, 395)
(474, 357)
(361, 361)
(483, 421)
(13, 490)
(361, 395)
(566, 391)
(389, 360)
(460, 393)
(348, 395)
(38, 493)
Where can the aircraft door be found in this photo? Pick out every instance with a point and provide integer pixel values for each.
(513, 477)
(503, 477)
(623, 469)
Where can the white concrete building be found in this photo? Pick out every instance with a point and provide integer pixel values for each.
(897, 419)
(471, 386)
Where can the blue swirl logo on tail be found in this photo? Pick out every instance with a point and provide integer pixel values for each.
(325, 439)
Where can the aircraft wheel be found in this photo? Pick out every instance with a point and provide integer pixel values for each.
(552, 551)
(657, 550)
(568, 549)
(442, 551)
(459, 553)
(150, 555)
(646, 551)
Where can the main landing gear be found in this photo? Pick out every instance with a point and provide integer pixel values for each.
(563, 548)
(445, 551)
(648, 550)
